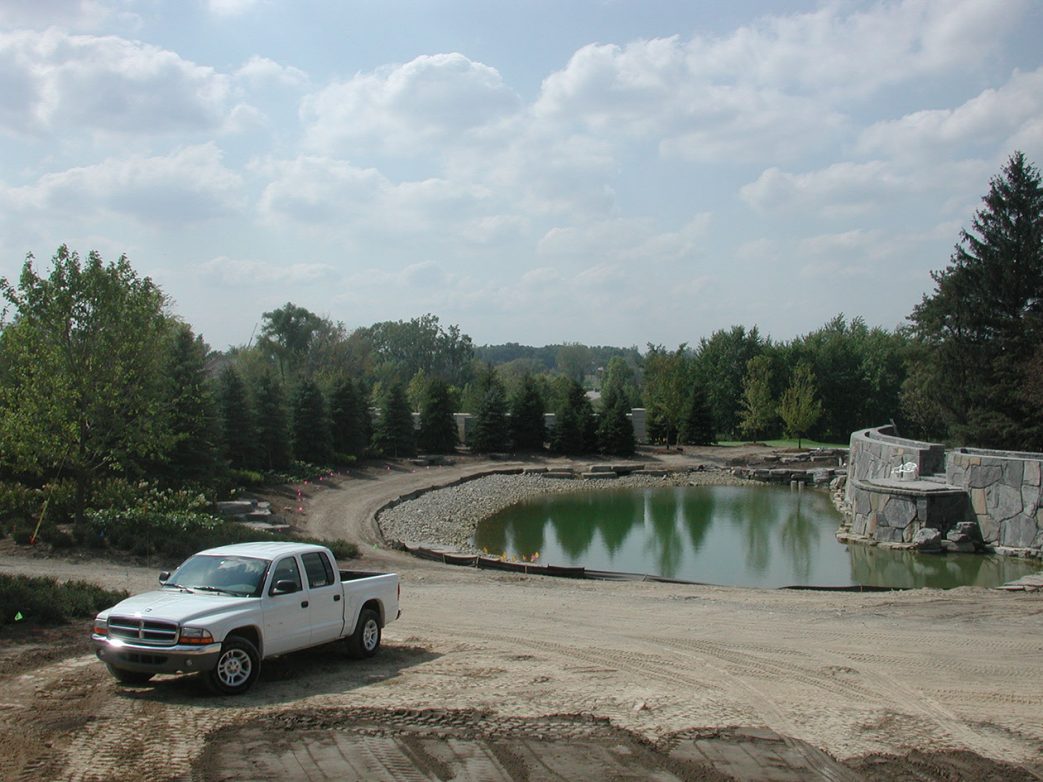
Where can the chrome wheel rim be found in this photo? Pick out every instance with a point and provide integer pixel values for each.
(234, 667)
(370, 635)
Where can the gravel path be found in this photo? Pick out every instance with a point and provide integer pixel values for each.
(448, 517)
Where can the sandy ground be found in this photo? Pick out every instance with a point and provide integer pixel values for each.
(500, 676)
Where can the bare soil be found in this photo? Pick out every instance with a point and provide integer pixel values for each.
(492, 675)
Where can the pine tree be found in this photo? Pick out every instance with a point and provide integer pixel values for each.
(615, 430)
(349, 419)
(697, 425)
(528, 429)
(575, 427)
(491, 434)
(437, 431)
(312, 437)
(238, 424)
(982, 328)
(394, 434)
(273, 423)
(192, 411)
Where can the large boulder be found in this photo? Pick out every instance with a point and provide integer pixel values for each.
(927, 539)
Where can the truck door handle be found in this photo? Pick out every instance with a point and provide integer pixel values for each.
(304, 604)
(336, 598)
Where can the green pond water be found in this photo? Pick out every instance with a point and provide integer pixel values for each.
(728, 535)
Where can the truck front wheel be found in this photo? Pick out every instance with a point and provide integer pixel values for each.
(365, 641)
(237, 667)
(129, 677)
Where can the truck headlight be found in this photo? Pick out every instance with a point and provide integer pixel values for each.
(196, 635)
(101, 627)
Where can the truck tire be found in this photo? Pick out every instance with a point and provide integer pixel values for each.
(365, 641)
(237, 667)
(129, 677)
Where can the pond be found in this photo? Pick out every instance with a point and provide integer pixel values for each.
(727, 535)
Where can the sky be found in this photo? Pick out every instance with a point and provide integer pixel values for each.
(598, 171)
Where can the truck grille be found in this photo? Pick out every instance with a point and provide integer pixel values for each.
(143, 631)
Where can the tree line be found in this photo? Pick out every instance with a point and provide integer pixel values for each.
(101, 384)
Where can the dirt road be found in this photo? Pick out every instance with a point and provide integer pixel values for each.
(497, 676)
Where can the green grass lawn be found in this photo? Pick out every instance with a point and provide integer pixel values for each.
(805, 443)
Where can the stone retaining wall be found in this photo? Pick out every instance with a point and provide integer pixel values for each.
(1005, 494)
(1001, 490)
(876, 453)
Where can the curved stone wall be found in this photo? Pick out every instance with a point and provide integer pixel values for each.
(1004, 489)
(1001, 490)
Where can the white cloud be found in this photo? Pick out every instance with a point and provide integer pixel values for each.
(624, 240)
(191, 184)
(231, 7)
(1004, 115)
(260, 72)
(74, 14)
(837, 190)
(334, 198)
(54, 81)
(249, 273)
(773, 89)
(407, 108)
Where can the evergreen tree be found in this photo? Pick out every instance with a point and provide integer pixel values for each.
(273, 424)
(575, 428)
(349, 418)
(394, 434)
(759, 409)
(238, 425)
(437, 431)
(799, 407)
(491, 434)
(312, 436)
(697, 425)
(528, 429)
(192, 411)
(615, 431)
(981, 329)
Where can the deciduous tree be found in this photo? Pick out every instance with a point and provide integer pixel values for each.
(81, 385)
(800, 407)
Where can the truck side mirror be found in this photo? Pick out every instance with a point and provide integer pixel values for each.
(164, 576)
(284, 586)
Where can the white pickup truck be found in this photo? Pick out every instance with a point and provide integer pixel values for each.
(225, 609)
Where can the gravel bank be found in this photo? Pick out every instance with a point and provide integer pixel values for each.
(447, 518)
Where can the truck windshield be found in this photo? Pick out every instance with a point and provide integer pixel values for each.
(240, 576)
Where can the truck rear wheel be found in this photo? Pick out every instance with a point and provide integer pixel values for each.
(365, 641)
(237, 667)
(129, 677)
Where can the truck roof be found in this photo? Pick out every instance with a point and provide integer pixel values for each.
(265, 549)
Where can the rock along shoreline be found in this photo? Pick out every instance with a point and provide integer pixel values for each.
(448, 517)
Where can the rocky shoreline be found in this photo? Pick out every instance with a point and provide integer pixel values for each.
(447, 518)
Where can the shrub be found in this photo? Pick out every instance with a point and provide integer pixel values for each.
(18, 501)
(56, 537)
(44, 601)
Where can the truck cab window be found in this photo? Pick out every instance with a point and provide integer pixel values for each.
(286, 570)
(317, 567)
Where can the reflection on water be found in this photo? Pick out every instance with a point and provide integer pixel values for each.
(743, 536)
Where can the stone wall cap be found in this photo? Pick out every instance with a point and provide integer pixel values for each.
(898, 486)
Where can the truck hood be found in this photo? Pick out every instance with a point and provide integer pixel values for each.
(173, 605)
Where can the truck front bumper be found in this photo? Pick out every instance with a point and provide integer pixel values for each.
(155, 659)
